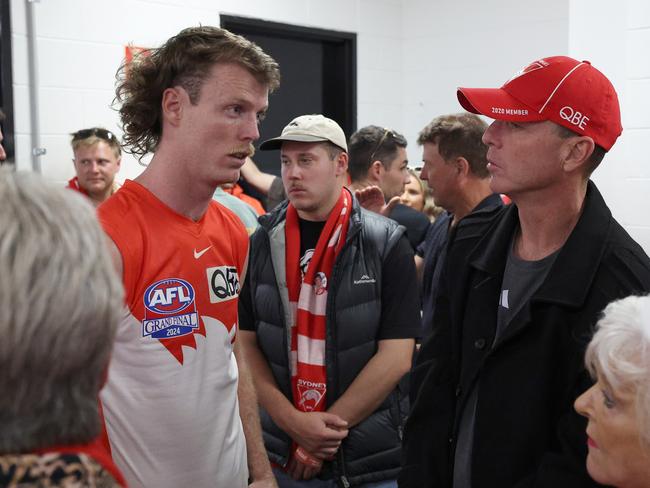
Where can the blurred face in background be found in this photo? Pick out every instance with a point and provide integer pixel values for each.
(96, 167)
(413, 195)
(394, 175)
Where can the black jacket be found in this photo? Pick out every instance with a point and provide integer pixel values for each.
(526, 431)
(372, 449)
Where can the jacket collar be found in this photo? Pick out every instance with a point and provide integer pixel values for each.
(579, 257)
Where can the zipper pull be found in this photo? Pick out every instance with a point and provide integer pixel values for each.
(345, 482)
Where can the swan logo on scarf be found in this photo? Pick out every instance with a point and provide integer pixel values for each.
(311, 394)
(170, 309)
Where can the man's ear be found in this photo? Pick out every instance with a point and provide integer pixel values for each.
(341, 163)
(376, 170)
(119, 163)
(173, 100)
(462, 166)
(576, 152)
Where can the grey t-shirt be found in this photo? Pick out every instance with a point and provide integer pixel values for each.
(520, 280)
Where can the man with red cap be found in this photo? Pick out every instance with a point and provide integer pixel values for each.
(521, 291)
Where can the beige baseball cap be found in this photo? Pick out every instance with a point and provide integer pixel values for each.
(309, 128)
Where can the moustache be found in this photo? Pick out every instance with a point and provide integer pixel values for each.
(243, 151)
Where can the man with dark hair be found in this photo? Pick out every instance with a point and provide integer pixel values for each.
(97, 158)
(455, 167)
(378, 158)
(328, 315)
(521, 290)
(179, 403)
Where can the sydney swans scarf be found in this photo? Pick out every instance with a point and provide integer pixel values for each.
(308, 297)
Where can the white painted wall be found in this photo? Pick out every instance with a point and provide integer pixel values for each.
(81, 43)
(412, 54)
(474, 44)
(617, 41)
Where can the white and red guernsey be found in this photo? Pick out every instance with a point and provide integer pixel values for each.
(170, 403)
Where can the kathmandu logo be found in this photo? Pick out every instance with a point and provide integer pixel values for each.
(364, 279)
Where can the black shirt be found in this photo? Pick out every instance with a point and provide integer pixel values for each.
(416, 223)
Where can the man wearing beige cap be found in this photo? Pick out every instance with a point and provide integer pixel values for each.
(328, 314)
(521, 291)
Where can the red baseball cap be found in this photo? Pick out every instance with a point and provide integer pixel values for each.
(563, 90)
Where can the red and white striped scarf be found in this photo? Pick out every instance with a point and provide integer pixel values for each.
(308, 299)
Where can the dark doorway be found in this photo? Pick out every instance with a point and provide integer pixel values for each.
(318, 71)
(6, 81)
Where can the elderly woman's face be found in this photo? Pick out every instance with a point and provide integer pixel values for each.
(616, 456)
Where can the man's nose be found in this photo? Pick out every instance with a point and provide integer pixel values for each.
(490, 135)
(293, 172)
(251, 130)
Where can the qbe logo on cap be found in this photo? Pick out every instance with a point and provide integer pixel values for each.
(223, 283)
(574, 117)
(170, 310)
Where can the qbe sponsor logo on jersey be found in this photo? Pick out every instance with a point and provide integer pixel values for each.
(223, 283)
(170, 310)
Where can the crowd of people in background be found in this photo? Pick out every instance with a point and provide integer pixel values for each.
(482, 321)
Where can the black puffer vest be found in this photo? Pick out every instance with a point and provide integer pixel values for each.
(372, 450)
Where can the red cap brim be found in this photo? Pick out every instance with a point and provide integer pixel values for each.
(496, 103)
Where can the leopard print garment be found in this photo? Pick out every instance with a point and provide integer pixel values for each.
(53, 470)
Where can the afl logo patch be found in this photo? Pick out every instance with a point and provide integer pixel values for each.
(170, 309)
(223, 283)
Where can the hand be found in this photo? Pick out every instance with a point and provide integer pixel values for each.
(264, 483)
(248, 168)
(372, 198)
(319, 433)
(303, 466)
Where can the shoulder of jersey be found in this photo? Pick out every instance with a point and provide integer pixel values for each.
(229, 215)
(117, 206)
